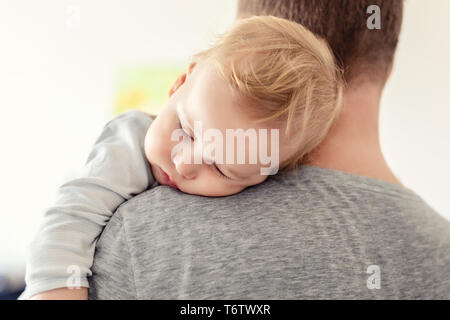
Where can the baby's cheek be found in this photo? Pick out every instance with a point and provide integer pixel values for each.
(257, 180)
(151, 145)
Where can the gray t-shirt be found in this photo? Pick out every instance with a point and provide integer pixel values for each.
(314, 233)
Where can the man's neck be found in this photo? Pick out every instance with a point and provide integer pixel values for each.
(353, 145)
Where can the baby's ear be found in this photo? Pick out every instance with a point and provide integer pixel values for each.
(182, 79)
(190, 68)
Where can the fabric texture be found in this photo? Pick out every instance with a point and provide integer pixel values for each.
(310, 234)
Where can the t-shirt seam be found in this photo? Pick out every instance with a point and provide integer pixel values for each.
(406, 194)
(362, 182)
(393, 194)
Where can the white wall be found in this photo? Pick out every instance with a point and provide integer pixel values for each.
(57, 84)
(415, 114)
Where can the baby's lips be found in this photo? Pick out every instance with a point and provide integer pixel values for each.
(165, 176)
(173, 185)
(167, 179)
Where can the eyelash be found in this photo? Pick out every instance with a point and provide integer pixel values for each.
(220, 173)
(213, 166)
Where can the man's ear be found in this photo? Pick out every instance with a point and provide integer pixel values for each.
(181, 79)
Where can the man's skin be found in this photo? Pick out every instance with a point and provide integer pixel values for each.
(352, 146)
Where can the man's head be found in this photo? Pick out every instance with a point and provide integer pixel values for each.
(363, 53)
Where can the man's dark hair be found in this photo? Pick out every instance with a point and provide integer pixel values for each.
(359, 50)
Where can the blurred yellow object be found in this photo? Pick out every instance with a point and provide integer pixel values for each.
(135, 98)
(146, 87)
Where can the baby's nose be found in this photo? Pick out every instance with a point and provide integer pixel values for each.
(188, 158)
(186, 170)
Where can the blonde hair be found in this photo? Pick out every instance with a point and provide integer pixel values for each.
(288, 75)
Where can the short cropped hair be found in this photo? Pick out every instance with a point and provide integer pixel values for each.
(361, 52)
(286, 75)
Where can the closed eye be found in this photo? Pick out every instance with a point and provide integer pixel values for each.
(223, 175)
(217, 170)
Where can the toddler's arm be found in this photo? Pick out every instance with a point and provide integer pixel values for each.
(62, 252)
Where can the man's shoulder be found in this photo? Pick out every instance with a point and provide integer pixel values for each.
(311, 194)
(293, 229)
(302, 188)
(153, 204)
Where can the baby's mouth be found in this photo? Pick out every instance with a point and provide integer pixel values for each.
(167, 179)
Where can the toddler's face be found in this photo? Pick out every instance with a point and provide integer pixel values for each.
(207, 99)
